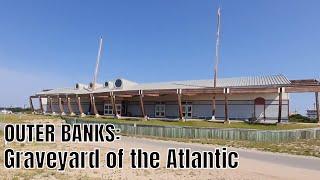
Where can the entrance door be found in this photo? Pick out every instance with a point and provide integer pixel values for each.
(108, 109)
(119, 109)
(187, 110)
(259, 111)
(259, 108)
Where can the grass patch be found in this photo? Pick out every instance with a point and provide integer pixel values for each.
(203, 124)
(22, 118)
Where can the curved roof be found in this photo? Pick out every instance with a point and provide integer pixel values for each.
(254, 81)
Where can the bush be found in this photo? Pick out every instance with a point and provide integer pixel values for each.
(301, 118)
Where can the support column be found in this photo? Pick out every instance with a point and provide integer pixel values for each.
(288, 109)
(69, 106)
(317, 106)
(80, 107)
(93, 103)
(49, 107)
(31, 105)
(213, 107)
(53, 113)
(142, 105)
(179, 94)
(61, 107)
(114, 107)
(264, 111)
(280, 91)
(41, 106)
(226, 104)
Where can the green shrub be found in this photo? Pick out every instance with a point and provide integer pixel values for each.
(301, 118)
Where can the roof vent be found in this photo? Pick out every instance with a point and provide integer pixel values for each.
(123, 83)
(91, 85)
(118, 83)
(97, 85)
(108, 84)
(80, 86)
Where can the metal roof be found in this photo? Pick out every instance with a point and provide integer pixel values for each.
(255, 81)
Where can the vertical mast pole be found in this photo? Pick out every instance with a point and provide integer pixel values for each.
(216, 64)
(97, 65)
(217, 49)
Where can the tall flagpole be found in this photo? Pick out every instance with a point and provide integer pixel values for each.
(97, 65)
(216, 63)
(217, 49)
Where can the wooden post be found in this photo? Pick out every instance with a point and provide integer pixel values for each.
(317, 106)
(93, 102)
(113, 102)
(264, 111)
(254, 111)
(226, 108)
(226, 113)
(280, 105)
(213, 108)
(80, 107)
(31, 105)
(142, 105)
(60, 106)
(179, 93)
(40, 104)
(69, 106)
(51, 107)
(288, 109)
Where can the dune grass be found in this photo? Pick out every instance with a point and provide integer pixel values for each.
(22, 118)
(201, 123)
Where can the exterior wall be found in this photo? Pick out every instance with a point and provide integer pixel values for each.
(312, 114)
(133, 108)
(240, 106)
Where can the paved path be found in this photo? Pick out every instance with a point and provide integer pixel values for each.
(304, 162)
(252, 164)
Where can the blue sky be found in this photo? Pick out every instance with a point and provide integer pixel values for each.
(48, 44)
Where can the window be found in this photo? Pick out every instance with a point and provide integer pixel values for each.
(108, 109)
(160, 110)
(187, 110)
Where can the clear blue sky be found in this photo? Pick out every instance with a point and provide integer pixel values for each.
(49, 44)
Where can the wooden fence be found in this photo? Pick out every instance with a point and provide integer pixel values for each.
(210, 133)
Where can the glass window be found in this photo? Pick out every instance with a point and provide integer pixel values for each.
(187, 110)
(160, 110)
(108, 109)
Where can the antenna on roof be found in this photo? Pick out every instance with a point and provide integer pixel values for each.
(97, 65)
(216, 64)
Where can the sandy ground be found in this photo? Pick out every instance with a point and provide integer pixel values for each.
(250, 168)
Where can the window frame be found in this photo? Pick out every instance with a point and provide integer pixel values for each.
(110, 109)
(160, 108)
